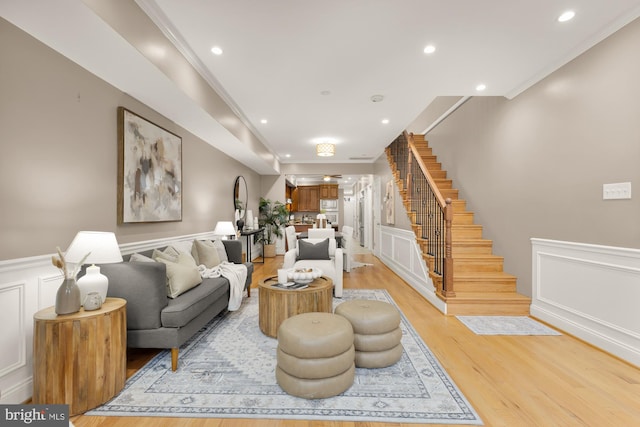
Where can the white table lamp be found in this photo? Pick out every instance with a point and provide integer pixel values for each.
(103, 249)
(224, 229)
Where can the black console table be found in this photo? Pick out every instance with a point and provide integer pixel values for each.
(248, 234)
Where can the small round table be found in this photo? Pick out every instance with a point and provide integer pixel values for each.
(80, 359)
(277, 304)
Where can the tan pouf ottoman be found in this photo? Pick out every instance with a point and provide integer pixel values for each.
(377, 333)
(315, 355)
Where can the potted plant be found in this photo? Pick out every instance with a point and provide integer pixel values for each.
(272, 217)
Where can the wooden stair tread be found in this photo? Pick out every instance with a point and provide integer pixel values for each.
(484, 275)
(489, 296)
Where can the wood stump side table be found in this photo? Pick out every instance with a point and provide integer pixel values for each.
(80, 359)
(277, 304)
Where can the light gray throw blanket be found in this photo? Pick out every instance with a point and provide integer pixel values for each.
(236, 274)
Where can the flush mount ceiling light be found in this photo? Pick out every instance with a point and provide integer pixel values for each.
(429, 49)
(566, 16)
(325, 149)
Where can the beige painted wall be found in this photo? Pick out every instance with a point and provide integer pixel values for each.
(59, 153)
(534, 166)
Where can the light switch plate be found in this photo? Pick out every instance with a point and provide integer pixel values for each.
(617, 191)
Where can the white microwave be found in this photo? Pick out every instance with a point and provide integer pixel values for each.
(329, 204)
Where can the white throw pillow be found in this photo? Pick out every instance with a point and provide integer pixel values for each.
(140, 258)
(168, 254)
(222, 251)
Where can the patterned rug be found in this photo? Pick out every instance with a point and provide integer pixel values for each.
(506, 325)
(228, 371)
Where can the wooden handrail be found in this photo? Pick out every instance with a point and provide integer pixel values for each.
(441, 200)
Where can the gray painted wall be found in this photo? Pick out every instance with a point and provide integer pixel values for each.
(534, 166)
(59, 156)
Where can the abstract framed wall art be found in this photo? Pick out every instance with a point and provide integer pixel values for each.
(149, 171)
(389, 203)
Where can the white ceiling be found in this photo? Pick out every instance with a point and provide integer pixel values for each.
(281, 55)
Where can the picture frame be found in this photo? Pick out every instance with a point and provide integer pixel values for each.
(389, 203)
(149, 171)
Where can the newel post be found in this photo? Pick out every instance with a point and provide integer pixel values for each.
(448, 290)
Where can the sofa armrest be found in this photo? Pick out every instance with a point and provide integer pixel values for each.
(234, 250)
(144, 286)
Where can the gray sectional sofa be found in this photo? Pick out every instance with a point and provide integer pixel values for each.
(156, 321)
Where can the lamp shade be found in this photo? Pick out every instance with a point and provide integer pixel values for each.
(224, 228)
(325, 149)
(102, 248)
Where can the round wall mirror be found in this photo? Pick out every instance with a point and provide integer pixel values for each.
(240, 196)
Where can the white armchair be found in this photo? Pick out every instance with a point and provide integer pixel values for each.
(331, 267)
(347, 247)
(290, 232)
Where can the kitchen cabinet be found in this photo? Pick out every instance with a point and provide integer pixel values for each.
(307, 198)
(328, 191)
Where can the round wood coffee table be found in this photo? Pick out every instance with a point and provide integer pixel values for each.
(278, 304)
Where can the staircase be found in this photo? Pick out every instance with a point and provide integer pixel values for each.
(477, 284)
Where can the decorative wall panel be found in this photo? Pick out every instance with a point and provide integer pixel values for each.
(591, 292)
(12, 319)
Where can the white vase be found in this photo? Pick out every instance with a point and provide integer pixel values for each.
(93, 281)
(249, 220)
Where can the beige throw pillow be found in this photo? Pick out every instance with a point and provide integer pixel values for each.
(182, 275)
(207, 253)
(168, 254)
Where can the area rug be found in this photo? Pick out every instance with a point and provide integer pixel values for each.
(358, 264)
(505, 325)
(228, 371)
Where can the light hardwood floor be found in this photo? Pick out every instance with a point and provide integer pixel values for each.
(510, 380)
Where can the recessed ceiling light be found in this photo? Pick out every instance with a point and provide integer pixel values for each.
(385, 121)
(287, 155)
(264, 121)
(429, 49)
(566, 16)
(325, 92)
(216, 50)
(481, 87)
(377, 98)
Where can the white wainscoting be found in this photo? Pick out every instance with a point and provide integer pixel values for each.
(590, 291)
(28, 285)
(399, 251)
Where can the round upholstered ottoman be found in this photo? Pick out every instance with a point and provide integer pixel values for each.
(377, 333)
(315, 355)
